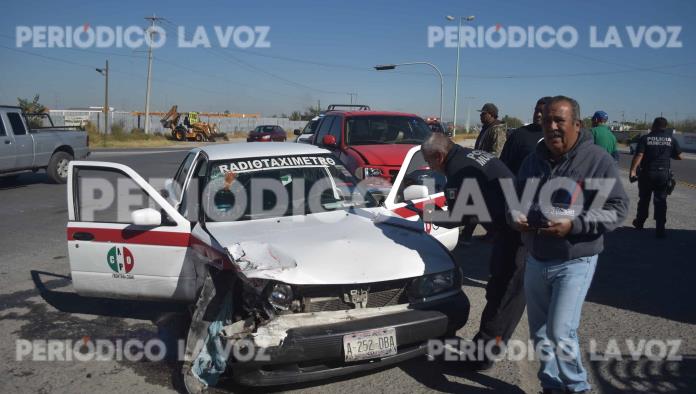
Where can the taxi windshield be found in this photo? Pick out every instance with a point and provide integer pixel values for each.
(248, 189)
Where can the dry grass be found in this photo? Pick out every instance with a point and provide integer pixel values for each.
(136, 138)
(465, 136)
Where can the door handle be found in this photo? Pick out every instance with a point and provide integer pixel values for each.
(7, 142)
(80, 236)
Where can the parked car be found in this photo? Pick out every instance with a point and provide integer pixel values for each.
(306, 135)
(267, 133)
(24, 149)
(341, 287)
(372, 144)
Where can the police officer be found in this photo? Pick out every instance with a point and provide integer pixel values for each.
(474, 180)
(650, 167)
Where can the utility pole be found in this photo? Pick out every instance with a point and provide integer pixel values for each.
(105, 110)
(151, 31)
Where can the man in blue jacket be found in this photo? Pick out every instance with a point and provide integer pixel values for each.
(576, 196)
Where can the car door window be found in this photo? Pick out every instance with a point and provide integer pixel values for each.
(324, 128)
(181, 174)
(109, 196)
(2, 128)
(418, 173)
(335, 129)
(16, 123)
(189, 201)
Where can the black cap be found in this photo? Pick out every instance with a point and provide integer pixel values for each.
(491, 109)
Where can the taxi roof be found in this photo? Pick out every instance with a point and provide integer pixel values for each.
(241, 150)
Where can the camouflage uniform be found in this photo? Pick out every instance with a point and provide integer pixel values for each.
(494, 139)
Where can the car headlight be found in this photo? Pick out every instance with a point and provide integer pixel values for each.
(371, 172)
(281, 296)
(428, 285)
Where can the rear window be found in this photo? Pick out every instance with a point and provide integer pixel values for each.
(267, 129)
(369, 130)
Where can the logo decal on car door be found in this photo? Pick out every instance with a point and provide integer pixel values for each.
(121, 261)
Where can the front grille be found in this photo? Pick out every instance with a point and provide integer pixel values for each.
(333, 298)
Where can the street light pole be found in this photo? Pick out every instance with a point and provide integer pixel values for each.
(456, 82)
(106, 99)
(383, 67)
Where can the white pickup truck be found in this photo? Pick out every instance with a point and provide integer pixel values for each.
(25, 149)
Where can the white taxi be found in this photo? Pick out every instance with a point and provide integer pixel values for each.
(279, 242)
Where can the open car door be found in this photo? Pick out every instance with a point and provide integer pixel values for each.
(124, 239)
(415, 172)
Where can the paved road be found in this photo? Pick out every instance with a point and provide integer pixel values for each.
(684, 170)
(643, 289)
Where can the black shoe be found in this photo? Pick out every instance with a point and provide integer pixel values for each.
(660, 233)
(638, 225)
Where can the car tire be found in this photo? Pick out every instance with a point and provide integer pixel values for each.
(200, 137)
(57, 169)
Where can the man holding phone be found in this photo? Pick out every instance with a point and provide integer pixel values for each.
(563, 233)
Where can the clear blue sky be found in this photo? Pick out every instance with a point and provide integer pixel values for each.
(320, 50)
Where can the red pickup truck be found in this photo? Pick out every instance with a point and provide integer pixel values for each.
(371, 144)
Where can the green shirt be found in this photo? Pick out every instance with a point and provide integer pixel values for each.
(604, 138)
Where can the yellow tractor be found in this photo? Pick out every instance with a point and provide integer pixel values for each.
(191, 128)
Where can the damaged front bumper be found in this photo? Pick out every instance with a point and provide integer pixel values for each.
(309, 346)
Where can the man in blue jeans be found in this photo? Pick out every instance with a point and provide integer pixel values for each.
(575, 197)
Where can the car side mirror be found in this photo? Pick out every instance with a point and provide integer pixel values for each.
(297, 132)
(146, 217)
(329, 140)
(415, 192)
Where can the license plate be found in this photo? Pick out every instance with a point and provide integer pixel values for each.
(369, 344)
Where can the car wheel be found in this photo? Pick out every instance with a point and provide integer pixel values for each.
(200, 137)
(57, 169)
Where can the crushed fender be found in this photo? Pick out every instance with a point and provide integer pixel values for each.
(204, 358)
(259, 259)
(211, 361)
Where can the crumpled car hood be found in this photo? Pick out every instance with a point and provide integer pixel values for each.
(339, 247)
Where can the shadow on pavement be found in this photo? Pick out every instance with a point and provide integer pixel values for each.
(434, 375)
(640, 273)
(70, 302)
(23, 180)
(644, 375)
